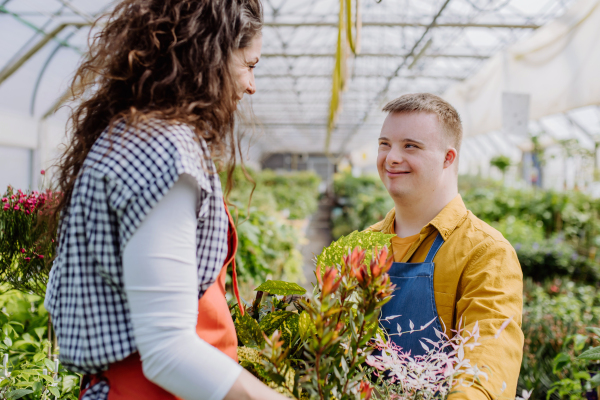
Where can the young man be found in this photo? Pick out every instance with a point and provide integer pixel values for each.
(449, 265)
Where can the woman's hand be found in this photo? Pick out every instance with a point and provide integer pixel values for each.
(247, 387)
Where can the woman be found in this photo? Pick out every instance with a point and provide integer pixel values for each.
(144, 232)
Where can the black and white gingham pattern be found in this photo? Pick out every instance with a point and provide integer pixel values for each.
(123, 177)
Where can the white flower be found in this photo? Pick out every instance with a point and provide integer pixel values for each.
(476, 372)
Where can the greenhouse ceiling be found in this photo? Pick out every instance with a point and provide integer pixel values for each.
(405, 46)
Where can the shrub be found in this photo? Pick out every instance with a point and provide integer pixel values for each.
(294, 193)
(360, 202)
(26, 246)
(30, 369)
(268, 249)
(553, 312)
(544, 258)
(572, 214)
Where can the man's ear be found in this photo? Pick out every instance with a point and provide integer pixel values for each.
(451, 155)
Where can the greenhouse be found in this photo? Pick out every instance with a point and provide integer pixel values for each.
(306, 199)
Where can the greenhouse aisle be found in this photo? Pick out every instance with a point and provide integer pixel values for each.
(318, 236)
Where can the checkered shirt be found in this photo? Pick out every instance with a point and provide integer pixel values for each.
(122, 179)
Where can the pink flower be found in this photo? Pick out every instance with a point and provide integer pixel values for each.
(22, 250)
(40, 256)
(554, 289)
(6, 207)
(27, 259)
(4, 199)
(43, 172)
(16, 207)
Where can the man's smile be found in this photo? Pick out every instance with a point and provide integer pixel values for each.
(396, 173)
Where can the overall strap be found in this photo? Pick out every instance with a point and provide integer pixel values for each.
(437, 243)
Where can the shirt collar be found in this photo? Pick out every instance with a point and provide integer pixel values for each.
(445, 222)
(449, 218)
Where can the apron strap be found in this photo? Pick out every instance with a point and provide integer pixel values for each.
(233, 240)
(437, 243)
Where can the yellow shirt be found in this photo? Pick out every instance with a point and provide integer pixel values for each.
(477, 277)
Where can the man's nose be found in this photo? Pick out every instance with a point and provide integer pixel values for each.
(394, 156)
(251, 89)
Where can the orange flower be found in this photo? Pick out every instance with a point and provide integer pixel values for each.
(330, 284)
(380, 264)
(354, 259)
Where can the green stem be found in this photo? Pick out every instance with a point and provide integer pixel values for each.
(354, 354)
(319, 375)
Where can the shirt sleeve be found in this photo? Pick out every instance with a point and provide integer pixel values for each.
(161, 285)
(490, 292)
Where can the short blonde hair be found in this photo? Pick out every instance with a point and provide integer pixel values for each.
(430, 103)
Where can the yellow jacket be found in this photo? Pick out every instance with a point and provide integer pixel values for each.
(477, 277)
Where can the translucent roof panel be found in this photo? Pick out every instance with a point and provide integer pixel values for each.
(400, 52)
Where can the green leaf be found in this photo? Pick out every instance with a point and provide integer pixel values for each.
(39, 331)
(17, 394)
(37, 386)
(272, 321)
(54, 391)
(306, 326)
(7, 329)
(69, 382)
(560, 362)
(249, 331)
(333, 254)
(594, 330)
(281, 288)
(582, 375)
(49, 364)
(289, 329)
(590, 354)
(39, 357)
(7, 341)
(595, 381)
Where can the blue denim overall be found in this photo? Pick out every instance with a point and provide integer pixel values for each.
(413, 300)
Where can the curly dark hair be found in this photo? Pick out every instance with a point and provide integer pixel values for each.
(166, 59)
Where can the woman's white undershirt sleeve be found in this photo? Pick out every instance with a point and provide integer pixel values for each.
(161, 284)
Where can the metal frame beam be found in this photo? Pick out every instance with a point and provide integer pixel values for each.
(364, 55)
(328, 76)
(10, 69)
(319, 24)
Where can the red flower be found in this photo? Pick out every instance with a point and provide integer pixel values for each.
(554, 289)
(362, 275)
(27, 259)
(365, 390)
(22, 250)
(40, 256)
(43, 172)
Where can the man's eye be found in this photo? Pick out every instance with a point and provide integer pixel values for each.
(411, 146)
(383, 144)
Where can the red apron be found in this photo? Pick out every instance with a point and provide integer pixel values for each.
(126, 378)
